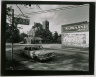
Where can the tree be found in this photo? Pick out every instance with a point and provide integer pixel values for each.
(8, 33)
(49, 37)
(22, 36)
(59, 39)
(12, 33)
(16, 35)
(55, 37)
(46, 35)
(38, 26)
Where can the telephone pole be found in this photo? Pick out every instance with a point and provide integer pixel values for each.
(12, 30)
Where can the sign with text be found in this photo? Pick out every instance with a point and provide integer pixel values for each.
(75, 27)
(21, 21)
(73, 39)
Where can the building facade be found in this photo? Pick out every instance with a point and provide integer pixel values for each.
(31, 32)
(46, 25)
(32, 40)
(75, 35)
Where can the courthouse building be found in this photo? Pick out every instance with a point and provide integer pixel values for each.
(75, 35)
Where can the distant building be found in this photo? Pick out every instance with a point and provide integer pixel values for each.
(32, 40)
(31, 32)
(46, 25)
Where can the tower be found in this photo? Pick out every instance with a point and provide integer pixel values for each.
(46, 25)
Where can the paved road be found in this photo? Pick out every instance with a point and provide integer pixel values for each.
(66, 59)
(46, 46)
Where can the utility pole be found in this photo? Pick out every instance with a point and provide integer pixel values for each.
(34, 33)
(34, 37)
(28, 40)
(12, 30)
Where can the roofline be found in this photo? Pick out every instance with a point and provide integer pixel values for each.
(76, 23)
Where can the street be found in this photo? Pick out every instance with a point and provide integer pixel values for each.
(65, 59)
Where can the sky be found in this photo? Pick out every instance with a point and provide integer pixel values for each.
(55, 18)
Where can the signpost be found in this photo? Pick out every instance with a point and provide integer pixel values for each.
(12, 30)
(17, 21)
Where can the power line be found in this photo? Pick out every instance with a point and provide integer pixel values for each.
(56, 9)
(22, 12)
(39, 7)
(20, 9)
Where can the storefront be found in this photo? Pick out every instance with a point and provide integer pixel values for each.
(75, 35)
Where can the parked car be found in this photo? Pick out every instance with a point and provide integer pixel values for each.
(37, 52)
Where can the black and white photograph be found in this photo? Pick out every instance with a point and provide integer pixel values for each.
(52, 37)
